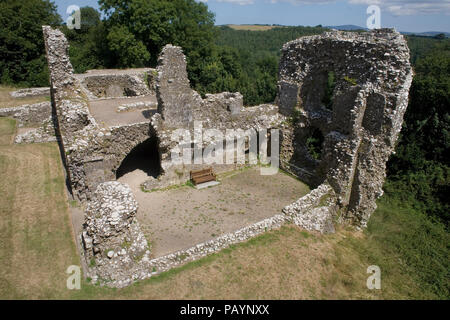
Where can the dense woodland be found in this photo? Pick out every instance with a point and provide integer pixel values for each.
(222, 59)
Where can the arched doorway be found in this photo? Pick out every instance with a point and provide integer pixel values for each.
(143, 160)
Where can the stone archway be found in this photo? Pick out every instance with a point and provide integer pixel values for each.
(141, 162)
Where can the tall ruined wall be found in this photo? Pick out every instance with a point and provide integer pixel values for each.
(176, 99)
(91, 153)
(361, 124)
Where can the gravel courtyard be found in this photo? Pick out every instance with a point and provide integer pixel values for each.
(180, 218)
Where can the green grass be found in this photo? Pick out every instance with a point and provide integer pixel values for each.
(350, 80)
(7, 130)
(411, 249)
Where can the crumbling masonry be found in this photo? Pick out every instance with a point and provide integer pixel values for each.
(360, 126)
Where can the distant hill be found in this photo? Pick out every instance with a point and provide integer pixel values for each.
(352, 27)
(427, 34)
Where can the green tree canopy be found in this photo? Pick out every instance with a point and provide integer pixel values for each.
(22, 53)
(88, 46)
(155, 23)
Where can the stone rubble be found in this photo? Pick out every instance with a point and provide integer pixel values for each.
(30, 92)
(28, 114)
(134, 106)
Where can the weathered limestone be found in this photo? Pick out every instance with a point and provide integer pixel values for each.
(373, 76)
(176, 99)
(28, 114)
(179, 106)
(117, 84)
(231, 102)
(92, 153)
(112, 240)
(133, 106)
(315, 211)
(30, 92)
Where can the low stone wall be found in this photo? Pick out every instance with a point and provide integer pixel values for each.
(147, 268)
(111, 264)
(45, 133)
(315, 211)
(28, 114)
(30, 92)
(117, 85)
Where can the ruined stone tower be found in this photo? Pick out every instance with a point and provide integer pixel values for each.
(360, 126)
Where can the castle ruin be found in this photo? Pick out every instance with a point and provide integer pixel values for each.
(101, 117)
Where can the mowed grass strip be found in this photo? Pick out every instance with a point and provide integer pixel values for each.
(7, 130)
(36, 244)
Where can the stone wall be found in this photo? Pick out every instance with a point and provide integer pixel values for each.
(315, 211)
(30, 92)
(118, 84)
(29, 114)
(92, 153)
(360, 128)
(176, 99)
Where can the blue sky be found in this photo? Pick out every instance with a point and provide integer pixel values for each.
(403, 15)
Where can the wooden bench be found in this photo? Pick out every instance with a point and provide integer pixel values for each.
(201, 176)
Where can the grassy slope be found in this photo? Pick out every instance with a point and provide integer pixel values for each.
(36, 247)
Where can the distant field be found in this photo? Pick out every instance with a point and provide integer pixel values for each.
(251, 27)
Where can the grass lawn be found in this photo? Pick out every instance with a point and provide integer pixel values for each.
(6, 101)
(37, 245)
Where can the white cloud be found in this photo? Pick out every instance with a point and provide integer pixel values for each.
(409, 7)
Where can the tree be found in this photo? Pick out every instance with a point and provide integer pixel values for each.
(88, 48)
(419, 172)
(129, 51)
(22, 51)
(151, 24)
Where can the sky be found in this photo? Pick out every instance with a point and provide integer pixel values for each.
(403, 15)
